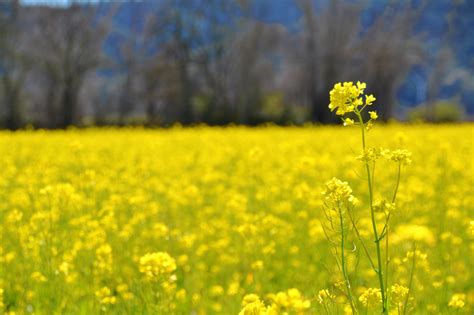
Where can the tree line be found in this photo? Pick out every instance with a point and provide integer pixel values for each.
(197, 61)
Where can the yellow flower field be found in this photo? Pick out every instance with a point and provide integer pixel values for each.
(209, 220)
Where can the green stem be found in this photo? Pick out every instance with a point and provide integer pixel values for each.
(343, 264)
(374, 225)
(326, 308)
(386, 233)
(398, 181)
(362, 241)
(410, 283)
(386, 267)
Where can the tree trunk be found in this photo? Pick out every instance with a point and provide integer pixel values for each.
(69, 103)
(186, 112)
(151, 113)
(14, 117)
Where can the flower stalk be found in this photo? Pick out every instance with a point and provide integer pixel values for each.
(348, 98)
(377, 239)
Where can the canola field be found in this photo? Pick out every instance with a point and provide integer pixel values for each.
(206, 220)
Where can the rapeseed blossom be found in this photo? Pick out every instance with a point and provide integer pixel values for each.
(338, 191)
(398, 295)
(373, 115)
(457, 301)
(38, 276)
(324, 296)
(156, 265)
(252, 305)
(348, 122)
(347, 97)
(401, 156)
(105, 296)
(239, 210)
(284, 302)
(371, 297)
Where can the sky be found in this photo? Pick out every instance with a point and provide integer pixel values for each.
(59, 2)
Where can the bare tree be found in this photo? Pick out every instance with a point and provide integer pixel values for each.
(236, 63)
(173, 27)
(387, 52)
(13, 64)
(338, 47)
(328, 39)
(211, 62)
(68, 47)
(130, 58)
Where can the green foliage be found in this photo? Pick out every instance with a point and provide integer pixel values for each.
(273, 106)
(439, 112)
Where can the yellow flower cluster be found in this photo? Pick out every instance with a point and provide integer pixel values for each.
(457, 301)
(252, 305)
(156, 265)
(38, 277)
(338, 191)
(324, 296)
(383, 206)
(371, 297)
(398, 296)
(401, 156)
(105, 296)
(347, 97)
(288, 302)
(371, 154)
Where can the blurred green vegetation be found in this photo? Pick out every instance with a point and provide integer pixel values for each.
(439, 112)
